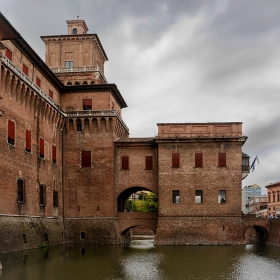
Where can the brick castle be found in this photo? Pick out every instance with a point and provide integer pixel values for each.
(68, 164)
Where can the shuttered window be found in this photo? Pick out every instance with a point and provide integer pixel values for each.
(125, 162)
(86, 158)
(175, 160)
(9, 54)
(28, 141)
(38, 82)
(198, 159)
(50, 94)
(42, 195)
(149, 162)
(222, 159)
(25, 69)
(87, 104)
(53, 154)
(11, 132)
(42, 144)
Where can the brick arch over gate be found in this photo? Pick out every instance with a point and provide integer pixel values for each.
(256, 229)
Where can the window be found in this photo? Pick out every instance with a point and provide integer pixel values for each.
(87, 104)
(86, 158)
(38, 82)
(198, 197)
(25, 69)
(11, 132)
(83, 235)
(9, 54)
(42, 195)
(75, 31)
(54, 154)
(175, 160)
(69, 63)
(198, 159)
(28, 141)
(20, 190)
(50, 94)
(222, 196)
(79, 125)
(55, 198)
(42, 144)
(175, 196)
(24, 238)
(125, 162)
(222, 159)
(149, 162)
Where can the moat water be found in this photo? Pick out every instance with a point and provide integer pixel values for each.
(141, 260)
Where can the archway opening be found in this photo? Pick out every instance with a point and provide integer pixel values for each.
(137, 199)
(256, 233)
(138, 233)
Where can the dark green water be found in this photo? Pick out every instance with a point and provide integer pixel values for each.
(141, 260)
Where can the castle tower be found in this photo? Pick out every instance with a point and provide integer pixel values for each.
(92, 123)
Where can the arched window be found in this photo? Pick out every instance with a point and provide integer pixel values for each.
(69, 84)
(75, 31)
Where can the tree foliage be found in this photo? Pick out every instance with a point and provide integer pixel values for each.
(148, 203)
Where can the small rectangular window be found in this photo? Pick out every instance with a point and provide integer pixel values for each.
(222, 159)
(38, 82)
(42, 148)
(198, 196)
(86, 158)
(20, 190)
(125, 162)
(176, 196)
(69, 63)
(83, 235)
(25, 69)
(50, 94)
(24, 238)
(28, 141)
(11, 132)
(87, 104)
(149, 162)
(42, 195)
(9, 54)
(222, 196)
(175, 160)
(198, 159)
(54, 154)
(55, 198)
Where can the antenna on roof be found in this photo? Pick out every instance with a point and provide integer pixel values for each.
(78, 11)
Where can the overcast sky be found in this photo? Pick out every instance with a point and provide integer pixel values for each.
(181, 61)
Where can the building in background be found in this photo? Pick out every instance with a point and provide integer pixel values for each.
(273, 197)
(247, 192)
(258, 206)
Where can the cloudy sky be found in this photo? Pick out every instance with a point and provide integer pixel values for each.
(181, 61)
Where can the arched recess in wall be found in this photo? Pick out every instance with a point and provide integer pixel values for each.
(92, 82)
(69, 84)
(86, 125)
(94, 125)
(85, 83)
(134, 193)
(103, 125)
(110, 124)
(78, 125)
(75, 31)
(71, 126)
(77, 83)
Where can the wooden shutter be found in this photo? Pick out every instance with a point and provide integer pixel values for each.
(125, 162)
(87, 104)
(86, 158)
(149, 162)
(9, 54)
(38, 82)
(25, 69)
(198, 159)
(54, 154)
(175, 160)
(28, 141)
(222, 159)
(42, 142)
(11, 132)
(50, 94)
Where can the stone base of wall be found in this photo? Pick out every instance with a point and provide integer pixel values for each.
(21, 233)
(199, 231)
(92, 231)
